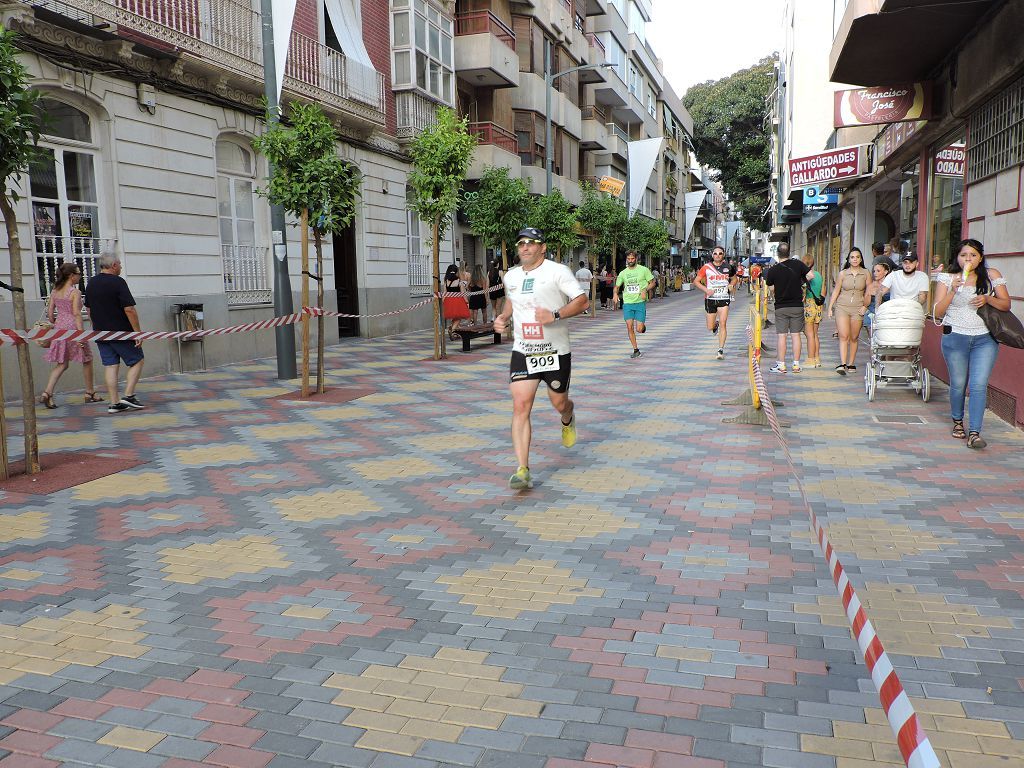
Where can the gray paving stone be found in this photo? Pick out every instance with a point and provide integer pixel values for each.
(443, 752)
(344, 756)
(760, 737)
(784, 758)
(284, 744)
(186, 748)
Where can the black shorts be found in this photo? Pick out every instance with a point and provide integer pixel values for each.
(556, 380)
(711, 306)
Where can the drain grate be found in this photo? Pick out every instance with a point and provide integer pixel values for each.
(899, 419)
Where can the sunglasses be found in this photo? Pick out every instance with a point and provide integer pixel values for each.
(528, 241)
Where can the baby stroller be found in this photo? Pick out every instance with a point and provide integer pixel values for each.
(896, 348)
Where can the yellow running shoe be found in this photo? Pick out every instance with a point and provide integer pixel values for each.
(569, 432)
(521, 480)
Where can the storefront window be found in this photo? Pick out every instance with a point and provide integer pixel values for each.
(947, 165)
(909, 190)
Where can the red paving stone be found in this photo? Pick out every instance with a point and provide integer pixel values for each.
(61, 471)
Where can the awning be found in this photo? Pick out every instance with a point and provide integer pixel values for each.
(887, 42)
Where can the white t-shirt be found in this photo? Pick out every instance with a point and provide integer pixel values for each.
(584, 276)
(548, 286)
(903, 286)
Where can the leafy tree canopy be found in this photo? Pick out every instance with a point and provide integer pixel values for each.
(603, 217)
(647, 236)
(730, 134)
(441, 154)
(499, 207)
(308, 172)
(20, 121)
(553, 215)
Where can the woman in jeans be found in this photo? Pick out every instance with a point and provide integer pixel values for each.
(969, 349)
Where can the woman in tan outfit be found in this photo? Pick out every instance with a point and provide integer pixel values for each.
(846, 304)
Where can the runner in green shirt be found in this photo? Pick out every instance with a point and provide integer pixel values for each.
(637, 283)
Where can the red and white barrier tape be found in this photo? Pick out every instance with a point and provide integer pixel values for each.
(910, 736)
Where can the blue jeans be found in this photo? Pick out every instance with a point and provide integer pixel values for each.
(970, 360)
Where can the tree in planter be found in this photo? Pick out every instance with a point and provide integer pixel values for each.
(441, 154)
(312, 182)
(20, 126)
(498, 209)
(553, 215)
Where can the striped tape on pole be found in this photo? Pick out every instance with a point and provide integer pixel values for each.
(910, 736)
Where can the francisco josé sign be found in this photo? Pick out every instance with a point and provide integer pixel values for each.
(828, 167)
(883, 104)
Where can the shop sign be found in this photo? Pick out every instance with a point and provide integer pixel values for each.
(820, 200)
(894, 137)
(951, 161)
(843, 164)
(611, 185)
(883, 104)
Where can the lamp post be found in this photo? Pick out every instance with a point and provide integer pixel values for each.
(549, 80)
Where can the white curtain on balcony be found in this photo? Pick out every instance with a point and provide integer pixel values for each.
(360, 75)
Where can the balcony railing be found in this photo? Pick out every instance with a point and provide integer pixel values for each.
(481, 22)
(595, 42)
(246, 274)
(593, 112)
(420, 274)
(489, 133)
(53, 250)
(591, 180)
(414, 113)
(314, 64)
(618, 132)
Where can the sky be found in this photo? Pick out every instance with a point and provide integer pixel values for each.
(709, 39)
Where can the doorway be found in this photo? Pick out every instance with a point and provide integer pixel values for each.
(346, 282)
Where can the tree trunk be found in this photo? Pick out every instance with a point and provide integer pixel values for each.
(28, 387)
(593, 284)
(438, 336)
(304, 223)
(4, 469)
(320, 318)
(504, 256)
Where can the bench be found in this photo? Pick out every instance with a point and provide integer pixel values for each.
(468, 332)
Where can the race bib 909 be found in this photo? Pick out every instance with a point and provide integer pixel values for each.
(547, 361)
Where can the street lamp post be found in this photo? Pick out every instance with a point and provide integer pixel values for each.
(549, 81)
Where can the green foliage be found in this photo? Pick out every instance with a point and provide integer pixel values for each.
(499, 208)
(554, 216)
(647, 236)
(730, 134)
(20, 121)
(308, 172)
(604, 217)
(440, 157)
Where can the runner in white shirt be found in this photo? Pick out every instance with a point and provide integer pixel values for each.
(585, 277)
(907, 283)
(541, 295)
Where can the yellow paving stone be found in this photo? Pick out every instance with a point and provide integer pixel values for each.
(509, 706)
(990, 728)
(494, 688)
(257, 393)
(367, 701)
(429, 729)
(131, 738)
(856, 490)
(473, 718)
(148, 421)
(294, 431)
(399, 538)
(457, 698)
(21, 574)
(389, 469)
(419, 710)
(1008, 747)
(604, 479)
(40, 666)
(824, 745)
(208, 455)
(438, 443)
(972, 760)
(387, 398)
(456, 654)
(426, 664)
(641, 449)
(306, 612)
(375, 721)
(852, 762)
(395, 743)
(439, 680)
(8, 675)
(213, 406)
(122, 485)
(875, 539)
(226, 557)
(325, 505)
(62, 441)
(403, 690)
(390, 673)
(482, 422)
(342, 413)
(350, 682)
(570, 523)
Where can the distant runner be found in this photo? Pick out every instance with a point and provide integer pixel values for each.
(541, 295)
(637, 282)
(718, 282)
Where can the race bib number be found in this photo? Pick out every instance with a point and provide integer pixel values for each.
(632, 290)
(542, 363)
(719, 287)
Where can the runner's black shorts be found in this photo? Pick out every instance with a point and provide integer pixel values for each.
(711, 306)
(556, 380)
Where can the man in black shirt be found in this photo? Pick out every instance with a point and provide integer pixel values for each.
(112, 308)
(788, 278)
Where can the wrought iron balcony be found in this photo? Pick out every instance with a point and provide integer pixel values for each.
(489, 133)
(246, 274)
(53, 250)
(482, 22)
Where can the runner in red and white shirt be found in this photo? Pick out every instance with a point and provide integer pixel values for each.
(718, 281)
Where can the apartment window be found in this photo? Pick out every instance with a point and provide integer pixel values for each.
(529, 128)
(615, 54)
(419, 257)
(635, 81)
(997, 134)
(246, 277)
(64, 194)
(637, 23)
(652, 103)
(620, 6)
(421, 38)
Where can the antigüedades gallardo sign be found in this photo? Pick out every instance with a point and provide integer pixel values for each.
(828, 167)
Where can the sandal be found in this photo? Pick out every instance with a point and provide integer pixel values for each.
(975, 441)
(92, 397)
(958, 429)
(47, 399)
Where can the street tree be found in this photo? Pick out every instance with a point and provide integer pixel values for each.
(553, 215)
(498, 209)
(441, 154)
(646, 236)
(311, 181)
(604, 219)
(20, 126)
(730, 135)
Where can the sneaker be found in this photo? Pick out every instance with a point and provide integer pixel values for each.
(643, 328)
(569, 432)
(636, 354)
(120, 407)
(521, 480)
(715, 329)
(721, 354)
(777, 368)
(132, 402)
(796, 366)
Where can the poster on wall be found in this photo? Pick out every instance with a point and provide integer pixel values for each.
(82, 223)
(44, 219)
(951, 161)
(881, 105)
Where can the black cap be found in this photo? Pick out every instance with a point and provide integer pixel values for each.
(530, 233)
(909, 257)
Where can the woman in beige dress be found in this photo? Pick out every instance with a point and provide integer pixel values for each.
(846, 305)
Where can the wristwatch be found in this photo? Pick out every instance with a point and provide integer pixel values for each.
(558, 315)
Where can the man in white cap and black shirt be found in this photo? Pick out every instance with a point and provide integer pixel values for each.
(542, 294)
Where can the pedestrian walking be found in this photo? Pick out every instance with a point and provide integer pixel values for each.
(814, 300)
(495, 288)
(637, 283)
(112, 308)
(874, 295)
(477, 296)
(718, 281)
(967, 346)
(585, 278)
(787, 279)
(64, 309)
(542, 294)
(456, 308)
(907, 282)
(846, 305)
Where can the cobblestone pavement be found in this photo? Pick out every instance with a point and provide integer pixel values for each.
(352, 584)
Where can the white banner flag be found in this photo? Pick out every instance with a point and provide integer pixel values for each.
(283, 14)
(642, 157)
